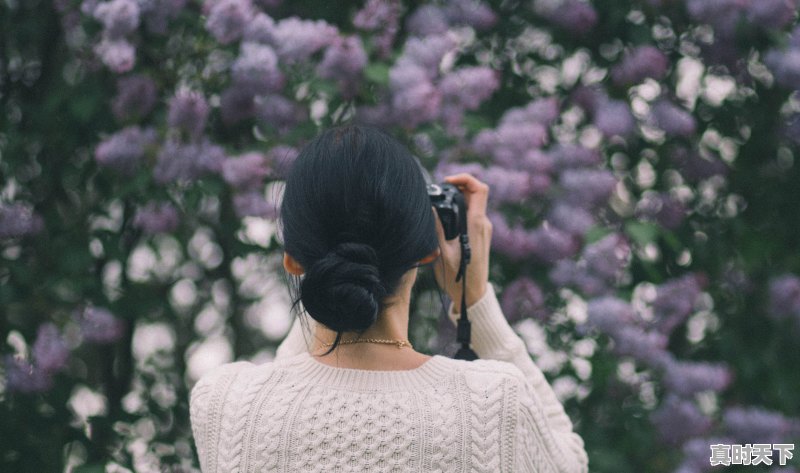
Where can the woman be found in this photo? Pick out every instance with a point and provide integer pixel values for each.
(356, 223)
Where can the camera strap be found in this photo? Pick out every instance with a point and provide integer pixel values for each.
(463, 334)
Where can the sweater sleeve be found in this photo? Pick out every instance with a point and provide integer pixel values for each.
(298, 340)
(541, 415)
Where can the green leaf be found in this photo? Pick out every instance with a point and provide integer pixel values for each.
(642, 232)
(378, 73)
(90, 469)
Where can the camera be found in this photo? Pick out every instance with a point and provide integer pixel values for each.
(450, 206)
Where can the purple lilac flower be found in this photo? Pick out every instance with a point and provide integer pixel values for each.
(721, 14)
(280, 159)
(523, 298)
(228, 19)
(50, 350)
(383, 15)
(544, 111)
(344, 61)
(575, 16)
(773, 14)
(514, 241)
(609, 313)
(758, 425)
(427, 20)
(673, 119)
(607, 257)
(188, 111)
(468, 87)
(156, 13)
(236, 104)
(696, 454)
(587, 187)
(253, 204)
(119, 17)
(661, 207)
(99, 325)
(507, 185)
(570, 273)
(419, 103)
(675, 301)
(119, 55)
(259, 29)
(256, 69)
(246, 171)
(575, 220)
(296, 39)
(551, 244)
(644, 346)
(428, 52)
(470, 12)
(588, 97)
(279, 112)
(639, 64)
(785, 66)
(136, 97)
(509, 143)
(18, 219)
(695, 167)
(566, 156)
(677, 420)
(686, 378)
(784, 296)
(157, 217)
(186, 162)
(123, 150)
(614, 118)
(23, 377)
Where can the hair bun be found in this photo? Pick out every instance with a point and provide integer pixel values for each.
(343, 289)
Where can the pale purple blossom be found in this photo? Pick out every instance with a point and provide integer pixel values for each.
(136, 97)
(246, 171)
(686, 378)
(509, 143)
(344, 61)
(673, 119)
(50, 350)
(117, 54)
(259, 29)
(784, 296)
(279, 112)
(544, 111)
(418, 103)
(587, 187)
(157, 217)
(785, 66)
(571, 273)
(428, 52)
(468, 87)
(99, 325)
(723, 15)
(523, 298)
(156, 13)
(119, 17)
(236, 104)
(638, 64)
(570, 218)
(696, 167)
(427, 20)
(512, 240)
(228, 19)
(296, 40)
(280, 159)
(474, 13)
(256, 69)
(574, 16)
(24, 377)
(645, 346)
(758, 425)
(124, 150)
(186, 162)
(773, 14)
(588, 97)
(677, 420)
(383, 15)
(675, 301)
(697, 451)
(608, 257)
(253, 204)
(188, 111)
(566, 156)
(614, 118)
(551, 244)
(663, 208)
(609, 313)
(18, 219)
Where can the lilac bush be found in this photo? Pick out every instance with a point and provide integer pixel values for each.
(641, 159)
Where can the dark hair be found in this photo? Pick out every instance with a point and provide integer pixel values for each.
(356, 215)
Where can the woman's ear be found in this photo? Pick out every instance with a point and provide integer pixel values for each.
(291, 265)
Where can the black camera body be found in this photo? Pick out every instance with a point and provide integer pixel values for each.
(451, 207)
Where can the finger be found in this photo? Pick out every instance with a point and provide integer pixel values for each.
(476, 195)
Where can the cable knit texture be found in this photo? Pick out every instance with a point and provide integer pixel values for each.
(295, 414)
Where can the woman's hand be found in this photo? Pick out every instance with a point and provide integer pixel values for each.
(479, 229)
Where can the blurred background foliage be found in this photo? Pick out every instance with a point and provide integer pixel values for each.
(642, 163)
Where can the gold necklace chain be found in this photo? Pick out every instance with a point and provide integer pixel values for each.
(399, 343)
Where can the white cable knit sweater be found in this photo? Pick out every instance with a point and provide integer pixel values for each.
(295, 414)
